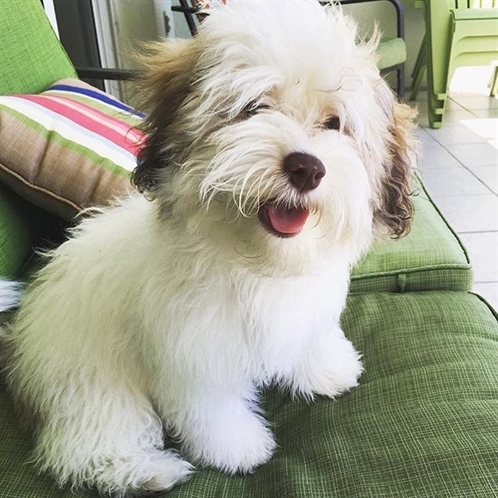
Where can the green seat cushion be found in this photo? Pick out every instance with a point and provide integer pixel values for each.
(31, 57)
(422, 423)
(431, 257)
(392, 51)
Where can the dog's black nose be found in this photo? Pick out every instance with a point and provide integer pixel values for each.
(305, 171)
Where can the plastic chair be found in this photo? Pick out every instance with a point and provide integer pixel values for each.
(459, 33)
(392, 51)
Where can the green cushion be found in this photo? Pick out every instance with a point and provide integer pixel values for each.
(20, 225)
(31, 58)
(392, 51)
(431, 257)
(30, 53)
(421, 424)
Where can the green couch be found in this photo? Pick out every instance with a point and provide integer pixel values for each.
(423, 421)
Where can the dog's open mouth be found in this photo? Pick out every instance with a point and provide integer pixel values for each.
(283, 221)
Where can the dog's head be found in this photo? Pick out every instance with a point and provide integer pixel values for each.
(273, 128)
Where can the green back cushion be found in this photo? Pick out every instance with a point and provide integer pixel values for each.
(421, 424)
(431, 257)
(31, 58)
(30, 53)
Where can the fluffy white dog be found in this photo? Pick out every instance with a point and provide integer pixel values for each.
(274, 154)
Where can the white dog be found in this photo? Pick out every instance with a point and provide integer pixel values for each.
(274, 154)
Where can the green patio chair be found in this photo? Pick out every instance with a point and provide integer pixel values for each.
(459, 33)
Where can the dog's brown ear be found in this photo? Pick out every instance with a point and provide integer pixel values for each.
(163, 86)
(396, 208)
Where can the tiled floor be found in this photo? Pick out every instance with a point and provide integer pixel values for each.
(459, 165)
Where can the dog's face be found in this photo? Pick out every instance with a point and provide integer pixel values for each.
(273, 129)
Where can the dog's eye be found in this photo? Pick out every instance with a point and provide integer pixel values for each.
(333, 123)
(253, 108)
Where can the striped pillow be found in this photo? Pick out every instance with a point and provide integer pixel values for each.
(208, 4)
(68, 148)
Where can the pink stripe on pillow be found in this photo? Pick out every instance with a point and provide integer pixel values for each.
(127, 138)
(97, 115)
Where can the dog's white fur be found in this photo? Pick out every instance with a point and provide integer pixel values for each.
(10, 295)
(166, 313)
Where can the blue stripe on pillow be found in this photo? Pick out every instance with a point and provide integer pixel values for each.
(98, 96)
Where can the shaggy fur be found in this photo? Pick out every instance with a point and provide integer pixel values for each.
(166, 314)
(9, 295)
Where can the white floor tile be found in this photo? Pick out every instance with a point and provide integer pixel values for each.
(454, 134)
(470, 213)
(453, 181)
(423, 122)
(488, 175)
(485, 113)
(489, 292)
(453, 105)
(485, 128)
(455, 116)
(470, 155)
(426, 140)
(476, 102)
(483, 253)
(437, 157)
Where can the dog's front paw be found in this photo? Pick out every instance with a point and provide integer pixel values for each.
(241, 448)
(334, 380)
(232, 440)
(331, 368)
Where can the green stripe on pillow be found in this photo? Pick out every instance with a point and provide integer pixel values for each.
(54, 138)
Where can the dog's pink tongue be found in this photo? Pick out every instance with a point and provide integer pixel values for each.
(287, 220)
